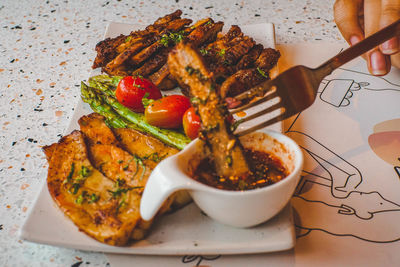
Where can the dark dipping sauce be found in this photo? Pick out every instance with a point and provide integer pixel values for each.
(267, 170)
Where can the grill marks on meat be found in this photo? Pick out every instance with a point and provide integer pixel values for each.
(234, 58)
(187, 65)
(95, 213)
(246, 78)
(97, 182)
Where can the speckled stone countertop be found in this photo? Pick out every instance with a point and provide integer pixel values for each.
(47, 48)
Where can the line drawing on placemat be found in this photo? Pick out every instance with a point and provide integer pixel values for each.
(335, 187)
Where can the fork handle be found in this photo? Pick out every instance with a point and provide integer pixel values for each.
(359, 48)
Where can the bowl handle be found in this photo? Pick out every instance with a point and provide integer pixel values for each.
(164, 180)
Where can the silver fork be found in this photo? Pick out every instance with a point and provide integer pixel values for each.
(296, 88)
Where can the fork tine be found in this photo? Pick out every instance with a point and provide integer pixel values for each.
(280, 117)
(262, 112)
(255, 103)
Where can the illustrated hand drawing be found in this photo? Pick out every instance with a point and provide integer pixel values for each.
(352, 157)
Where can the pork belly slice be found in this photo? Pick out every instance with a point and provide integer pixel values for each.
(187, 66)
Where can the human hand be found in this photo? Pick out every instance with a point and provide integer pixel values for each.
(357, 19)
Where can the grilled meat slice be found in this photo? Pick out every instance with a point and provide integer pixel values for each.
(167, 18)
(118, 165)
(153, 64)
(240, 81)
(201, 35)
(96, 131)
(267, 59)
(129, 162)
(248, 60)
(245, 79)
(161, 78)
(107, 50)
(99, 207)
(138, 45)
(146, 147)
(234, 53)
(205, 33)
(173, 26)
(187, 66)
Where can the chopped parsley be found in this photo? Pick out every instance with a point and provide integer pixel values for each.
(155, 157)
(221, 53)
(128, 39)
(76, 183)
(84, 196)
(174, 37)
(71, 172)
(85, 172)
(189, 69)
(203, 51)
(262, 73)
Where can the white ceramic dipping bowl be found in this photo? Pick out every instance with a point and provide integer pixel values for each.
(235, 208)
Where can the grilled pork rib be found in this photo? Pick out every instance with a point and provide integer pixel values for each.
(187, 65)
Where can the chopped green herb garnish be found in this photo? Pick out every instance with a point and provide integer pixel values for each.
(71, 172)
(164, 40)
(262, 73)
(196, 100)
(128, 39)
(74, 188)
(126, 166)
(140, 162)
(221, 53)
(203, 51)
(85, 172)
(79, 199)
(155, 157)
(175, 37)
(189, 69)
(93, 198)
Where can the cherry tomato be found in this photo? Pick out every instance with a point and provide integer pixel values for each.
(191, 123)
(167, 112)
(131, 90)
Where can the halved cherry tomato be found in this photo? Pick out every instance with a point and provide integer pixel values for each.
(131, 90)
(191, 123)
(167, 112)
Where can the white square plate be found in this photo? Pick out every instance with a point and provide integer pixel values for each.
(187, 231)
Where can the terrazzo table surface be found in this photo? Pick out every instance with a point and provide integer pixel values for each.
(47, 48)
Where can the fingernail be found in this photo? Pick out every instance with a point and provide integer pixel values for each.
(354, 39)
(390, 46)
(378, 63)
